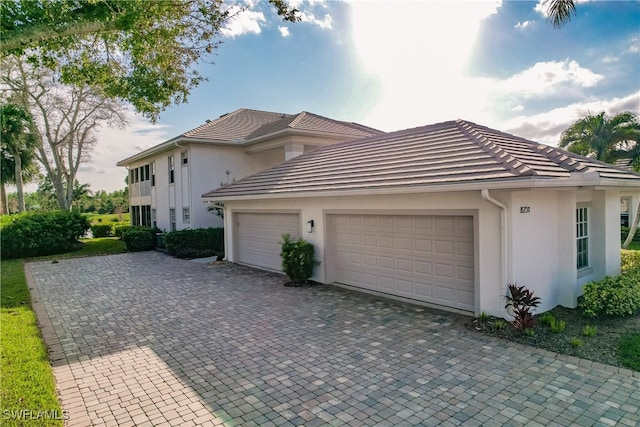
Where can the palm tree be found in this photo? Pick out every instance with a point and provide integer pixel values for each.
(559, 12)
(17, 145)
(601, 137)
(607, 139)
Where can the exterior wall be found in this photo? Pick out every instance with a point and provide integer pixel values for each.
(540, 227)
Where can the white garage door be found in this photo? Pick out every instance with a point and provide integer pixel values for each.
(427, 258)
(259, 237)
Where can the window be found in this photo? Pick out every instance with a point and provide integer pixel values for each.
(145, 216)
(184, 158)
(153, 174)
(186, 215)
(172, 167)
(136, 175)
(146, 173)
(582, 237)
(172, 219)
(131, 176)
(154, 221)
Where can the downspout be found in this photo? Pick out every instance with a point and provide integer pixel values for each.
(504, 253)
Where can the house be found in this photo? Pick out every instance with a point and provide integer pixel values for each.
(166, 181)
(446, 214)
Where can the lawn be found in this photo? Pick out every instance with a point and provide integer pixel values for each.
(108, 218)
(27, 387)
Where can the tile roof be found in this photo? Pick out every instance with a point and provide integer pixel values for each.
(444, 153)
(245, 125)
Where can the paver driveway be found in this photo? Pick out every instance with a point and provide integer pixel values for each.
(145, 339)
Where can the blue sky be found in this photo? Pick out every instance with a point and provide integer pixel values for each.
(396, 65)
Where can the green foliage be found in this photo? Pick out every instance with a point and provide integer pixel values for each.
(529, 332)
(483, 317)
(500, 324)
(298, 259)
(546, 318)
(198, 243)
(36, 234)
(589, 331)
(101, 230)
(557, 325)
(629, 351)
(521, 300)
(576, 342)
(119, 230)
(158, 43)
(138, 238)
(629, 261)
(612, 296)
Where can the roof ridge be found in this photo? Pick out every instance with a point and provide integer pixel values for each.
(208, 123)
(502, 156)
(298, 118)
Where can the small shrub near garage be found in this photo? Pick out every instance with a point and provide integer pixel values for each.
(119, 230)
(298, 259)
(138, 238)
(42, 233)
(101, 230)
(196, 243)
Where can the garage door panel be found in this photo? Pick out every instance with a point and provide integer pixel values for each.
(428, 258)
(259, 237)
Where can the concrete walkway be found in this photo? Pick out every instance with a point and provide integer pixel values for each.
(143, 339)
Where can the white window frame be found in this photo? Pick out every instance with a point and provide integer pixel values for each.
(186, 215)
(184, 158)
(172, 169)
(583, 240)
(172, 219)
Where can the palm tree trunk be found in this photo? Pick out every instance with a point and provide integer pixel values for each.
(5, 202)
(19, 184)
(634, 227)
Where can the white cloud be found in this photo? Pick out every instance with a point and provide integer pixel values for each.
(284, 31)
(635, 45)
(518, 108)
(244, 22)
(325, 23)
(545, 78)
(610, 59)
(114, 145)
(523, 25)
(542, 7)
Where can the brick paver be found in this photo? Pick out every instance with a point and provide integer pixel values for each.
(146, 339)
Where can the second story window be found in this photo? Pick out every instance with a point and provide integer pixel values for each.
(184, 157)
(172, 167)
(153, 174)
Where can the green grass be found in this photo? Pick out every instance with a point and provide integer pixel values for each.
(108, 218)
(634, 246)
(629, 351)
(26, 378)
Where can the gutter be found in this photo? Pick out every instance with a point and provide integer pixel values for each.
(504, 243)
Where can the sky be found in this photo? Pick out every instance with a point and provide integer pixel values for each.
(395, 65)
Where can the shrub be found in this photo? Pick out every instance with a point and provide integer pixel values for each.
(576, 342)
(298, 259)
(589, 331)
(101, 230)
(484, 317)
(201, 242)
(138, 238)
(557, 325)
(612, 296)
(37, 234)
(118, 230)
(500, 324)
(546, 318)
(624, 232)
(630, 260)
(521, 300)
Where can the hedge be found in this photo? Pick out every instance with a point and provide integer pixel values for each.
(196, 243)
(138, 238)
(38, 234)
(101, 230)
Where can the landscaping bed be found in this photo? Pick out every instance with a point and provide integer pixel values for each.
(603, 347)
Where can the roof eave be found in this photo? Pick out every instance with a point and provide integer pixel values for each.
(525, 183)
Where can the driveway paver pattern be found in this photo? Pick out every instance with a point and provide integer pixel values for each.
(143, 339)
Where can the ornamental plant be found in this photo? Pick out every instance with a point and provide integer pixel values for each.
(298, 259)
(521, 301)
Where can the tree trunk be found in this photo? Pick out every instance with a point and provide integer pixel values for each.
(5, 202)
(19, 184)
(634, 227)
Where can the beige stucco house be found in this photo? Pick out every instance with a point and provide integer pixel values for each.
(446, 214)
(167, 180)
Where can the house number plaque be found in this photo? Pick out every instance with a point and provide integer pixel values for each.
(525, 209)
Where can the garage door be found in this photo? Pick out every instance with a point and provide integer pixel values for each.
(426, 258)
(259, 237)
